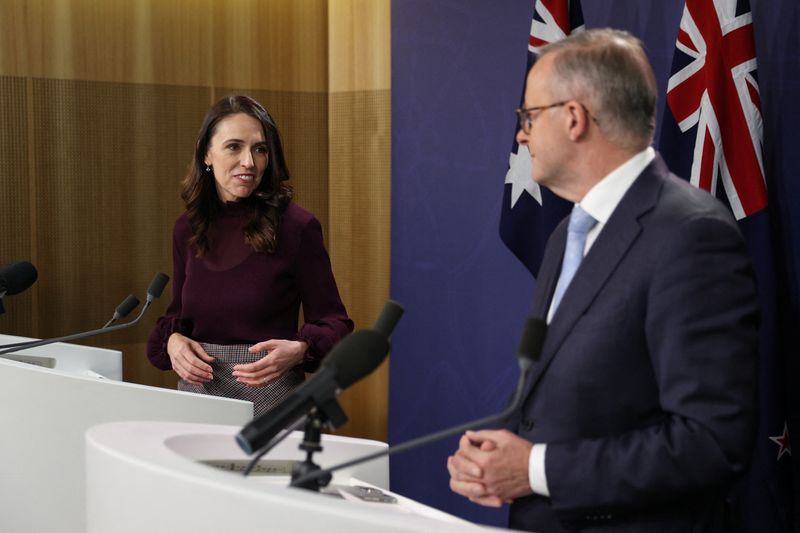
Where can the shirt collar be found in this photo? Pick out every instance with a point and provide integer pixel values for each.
(603, 198)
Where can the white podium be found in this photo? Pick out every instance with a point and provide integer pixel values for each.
(69, 358)
(44, 414)
(155, 477)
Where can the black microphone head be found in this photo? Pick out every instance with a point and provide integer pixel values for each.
(16, 277)
(156, 287)
(351, 359)
(128, 305)
(388, 318)
(530, 345)
(356, 355)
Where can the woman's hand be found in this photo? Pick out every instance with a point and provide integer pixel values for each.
(282, 355)
(189, 360)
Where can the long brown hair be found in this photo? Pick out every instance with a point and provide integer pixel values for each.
(269, 200)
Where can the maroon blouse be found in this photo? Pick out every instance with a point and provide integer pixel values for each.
(235, 295)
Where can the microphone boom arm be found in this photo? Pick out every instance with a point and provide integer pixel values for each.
(153, 292)
(74, 336)
(425, 439)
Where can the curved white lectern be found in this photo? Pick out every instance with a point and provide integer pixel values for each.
(44, 413)
(155, 477)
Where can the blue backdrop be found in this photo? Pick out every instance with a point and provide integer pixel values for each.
(457, 73)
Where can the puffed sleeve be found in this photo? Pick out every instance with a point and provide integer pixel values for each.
(171, 322)
(326, 320)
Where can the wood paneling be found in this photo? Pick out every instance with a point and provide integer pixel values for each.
(276, 45)
(359, 46)
(255, 44)
(147, 41)
(101, 101)
(359, 140)
(16, 200)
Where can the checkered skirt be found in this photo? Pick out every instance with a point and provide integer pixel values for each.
(224, 384)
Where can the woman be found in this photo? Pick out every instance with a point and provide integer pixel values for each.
(245, 258)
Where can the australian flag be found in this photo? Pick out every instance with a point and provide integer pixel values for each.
(530, 213)
(712, 135)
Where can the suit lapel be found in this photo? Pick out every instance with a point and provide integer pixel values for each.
(548, 273)
(611, 246)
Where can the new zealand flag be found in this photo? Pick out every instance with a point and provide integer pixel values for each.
(712, 135)
(529, 213)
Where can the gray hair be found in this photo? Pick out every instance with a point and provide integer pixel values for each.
(609, 72)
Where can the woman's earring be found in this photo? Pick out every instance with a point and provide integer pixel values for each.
(208, 168)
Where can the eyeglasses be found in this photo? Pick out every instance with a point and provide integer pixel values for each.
(525, 115)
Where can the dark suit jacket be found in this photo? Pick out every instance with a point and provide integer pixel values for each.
(645, 391)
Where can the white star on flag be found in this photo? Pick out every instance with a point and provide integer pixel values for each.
(782, 441)
(519, 175)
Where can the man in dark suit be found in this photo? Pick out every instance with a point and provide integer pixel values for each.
(640, 412)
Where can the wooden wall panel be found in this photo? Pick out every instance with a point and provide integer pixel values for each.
(146, 41)
(15, 200)
(359, 46)
(359, 139)
(101, 101)
(360, 188)
(276, 45)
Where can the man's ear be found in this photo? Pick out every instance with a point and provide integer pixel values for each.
(577, 120)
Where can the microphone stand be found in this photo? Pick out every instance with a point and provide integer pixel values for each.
(330, 414)
(122, 311)
(34, 344)
(310, 444)
(315, 479)
(153, 292)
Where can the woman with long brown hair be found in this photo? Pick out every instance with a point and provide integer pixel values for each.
(245, 258)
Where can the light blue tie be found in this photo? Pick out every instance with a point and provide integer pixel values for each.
(580, 222)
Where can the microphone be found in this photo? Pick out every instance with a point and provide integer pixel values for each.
(123, 309)
(15, 278)
(355, 356)
(529, 351)
(388, 318)
(155, 289)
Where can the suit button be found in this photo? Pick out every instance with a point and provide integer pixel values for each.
(526, 424)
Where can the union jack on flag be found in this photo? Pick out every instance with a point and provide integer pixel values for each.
(713, 90)
(529, 214)
(712, 134)
(552, 21)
